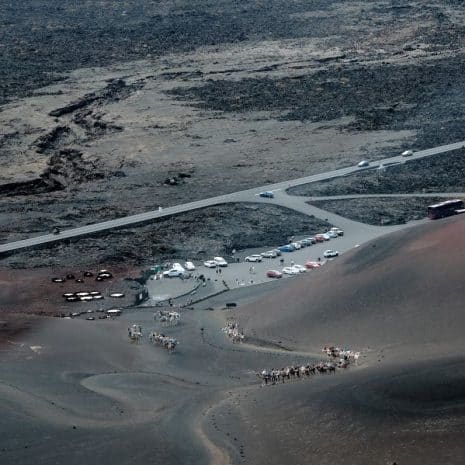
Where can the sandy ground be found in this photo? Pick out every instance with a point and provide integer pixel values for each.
(76, 385)
(169, 112)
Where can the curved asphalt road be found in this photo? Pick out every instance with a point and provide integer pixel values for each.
(249, 195)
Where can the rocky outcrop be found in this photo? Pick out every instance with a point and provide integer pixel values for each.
(52, 139)
(68, 167)
(93, 124)
(116, 90)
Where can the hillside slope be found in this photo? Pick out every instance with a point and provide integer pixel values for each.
(406, 288)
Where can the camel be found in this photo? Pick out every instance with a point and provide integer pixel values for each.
(135, 333)
(169, 343)
(169, 318)
(233, 332)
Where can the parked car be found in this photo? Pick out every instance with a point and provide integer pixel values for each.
(210, 264)
(363, 164)
(267, 194)
(220, 261)
(407, 153)
(330, 253)
(296, 245)
(290, 270)
(332, 234)
(307, 242)
(189, 266)
(253, 258)
(326, 236)
(286, 248)
(319, 238)
(269, 254)
(338, 231)
(278, 252)
(311, 265)
(311, 239)
(299, 268)
(274, 274)
(174, 273)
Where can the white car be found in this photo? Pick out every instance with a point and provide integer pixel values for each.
(330, 253)
(189, 266)
(332, 234)
(290, 270)
(299, 268)
(326, 236)
(253, 258)
(269, 254)
(174, 273)
(338, 231)
(296, 245)
(210, 264)
(407, 153)
(363, 164)
(220, 261)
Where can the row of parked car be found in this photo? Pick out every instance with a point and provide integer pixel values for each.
(332, 233)
(217, 261)
(177, 270)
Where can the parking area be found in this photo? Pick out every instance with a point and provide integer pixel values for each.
(239, 273)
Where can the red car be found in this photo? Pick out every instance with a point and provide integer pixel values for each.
(311, 265)
(319, 238)
(274, 274)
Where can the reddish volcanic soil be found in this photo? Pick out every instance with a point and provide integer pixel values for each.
(26, 294)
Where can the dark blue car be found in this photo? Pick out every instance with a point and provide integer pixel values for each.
(267, 194)
(286, 248)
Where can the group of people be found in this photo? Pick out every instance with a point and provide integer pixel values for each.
(233, 332)
(345, 358)
(160, 339)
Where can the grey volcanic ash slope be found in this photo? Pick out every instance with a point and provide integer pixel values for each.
(403, 289)
(399, 298)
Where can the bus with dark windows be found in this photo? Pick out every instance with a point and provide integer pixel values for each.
(446, 208)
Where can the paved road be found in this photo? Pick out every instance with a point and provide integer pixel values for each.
(249, 195)
(374, 196)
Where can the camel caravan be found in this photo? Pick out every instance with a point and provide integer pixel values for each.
(169, 343)
(159, 339)
(167, 318)
(233, 332)
(345, 358)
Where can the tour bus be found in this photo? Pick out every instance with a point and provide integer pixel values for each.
(443, 209)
